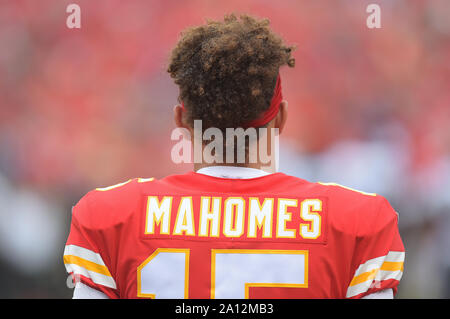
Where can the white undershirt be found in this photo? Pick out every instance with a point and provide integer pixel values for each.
(83, 291)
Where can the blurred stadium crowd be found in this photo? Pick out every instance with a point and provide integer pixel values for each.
(91, 107)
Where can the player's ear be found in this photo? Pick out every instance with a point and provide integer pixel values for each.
(281, 117)
(179, 119)
(178, 116)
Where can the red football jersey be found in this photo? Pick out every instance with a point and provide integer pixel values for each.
(197, 236)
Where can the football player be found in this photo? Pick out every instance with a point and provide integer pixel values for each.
(234, 229)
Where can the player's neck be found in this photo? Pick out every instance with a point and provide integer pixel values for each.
(259, 155)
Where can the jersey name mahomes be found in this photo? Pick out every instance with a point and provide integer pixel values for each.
(233, 217)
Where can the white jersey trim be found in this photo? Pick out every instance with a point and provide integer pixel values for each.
(234, 172)
(376, 270)
(81, 261)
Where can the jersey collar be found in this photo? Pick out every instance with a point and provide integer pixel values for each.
(233, 172)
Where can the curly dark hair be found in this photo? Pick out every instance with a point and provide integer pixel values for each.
(227, 71)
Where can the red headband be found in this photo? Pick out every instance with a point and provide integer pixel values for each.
(271, 112)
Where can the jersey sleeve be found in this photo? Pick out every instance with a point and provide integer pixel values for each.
(379, 253)
(83, 255)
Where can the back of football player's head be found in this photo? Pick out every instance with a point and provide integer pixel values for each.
(228, 73)
(227, 70)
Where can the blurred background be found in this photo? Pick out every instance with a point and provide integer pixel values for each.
(92, 107)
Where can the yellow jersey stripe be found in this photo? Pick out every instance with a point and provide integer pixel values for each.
(370, 275)
(392, 266)
(103, 189)
(97, 278)
(351, 189)
(88, 265)
(84, 253)
(144, 180)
